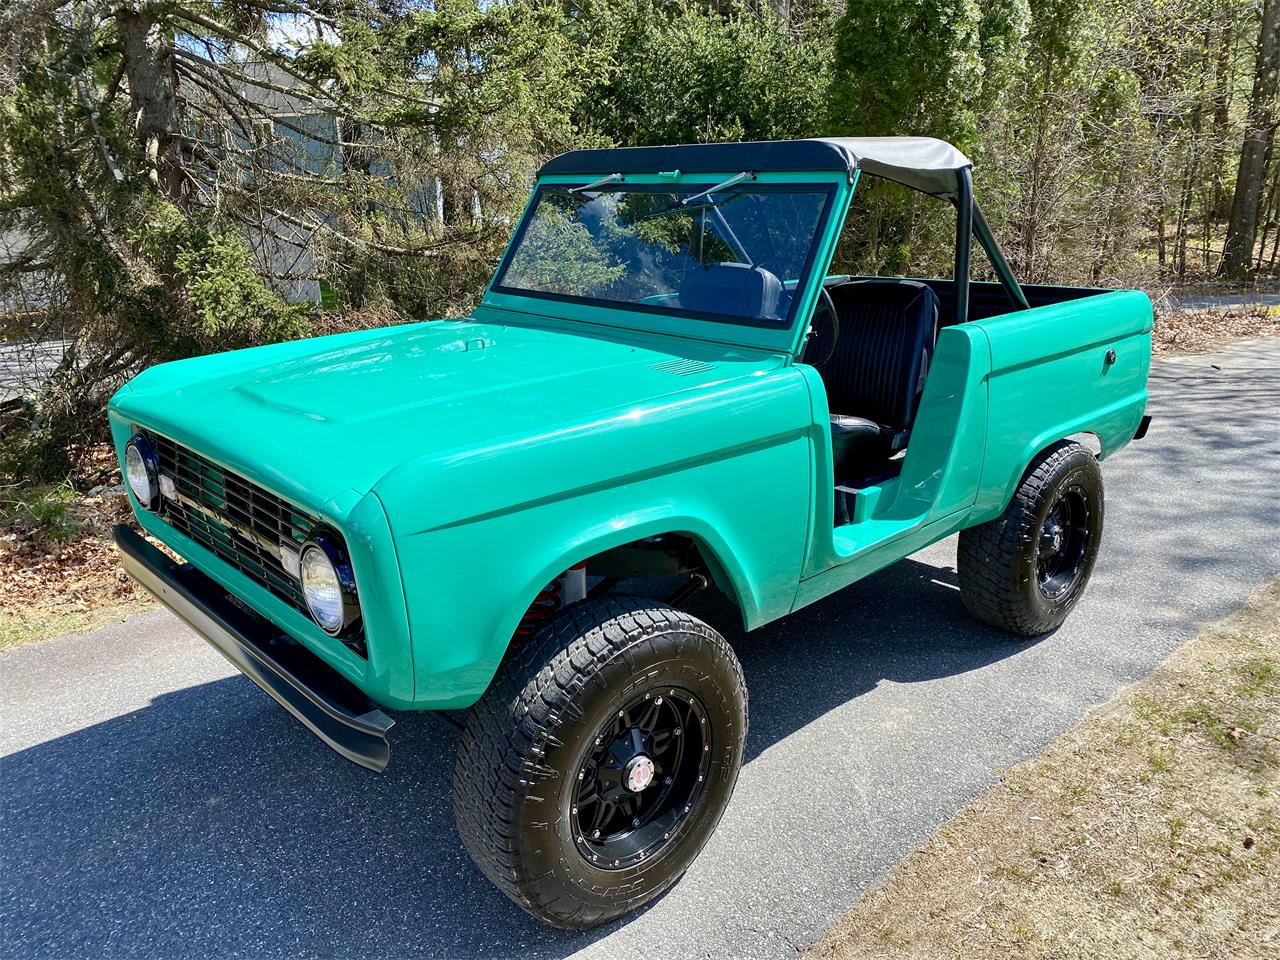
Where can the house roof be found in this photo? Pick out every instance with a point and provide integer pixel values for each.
(922, 163)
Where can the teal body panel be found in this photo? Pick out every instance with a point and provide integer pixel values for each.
(1050, 379)
(938, 484)
(540, 444)
(999, 392)
(387, 675)
(469, 463)
(735, 477)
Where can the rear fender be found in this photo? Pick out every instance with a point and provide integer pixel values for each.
(1069, 368)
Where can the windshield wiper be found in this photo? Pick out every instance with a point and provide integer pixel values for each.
(719, 187)
(611, 178)
(698, 201)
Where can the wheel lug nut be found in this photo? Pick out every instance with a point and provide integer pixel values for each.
(668, 781)
(635, 822)
(678, 731)
(595, 834)
(658, 701)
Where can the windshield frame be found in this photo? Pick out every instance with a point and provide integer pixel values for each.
(774, 333)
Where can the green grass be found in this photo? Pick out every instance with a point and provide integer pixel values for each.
(17, 628)
(46, 511)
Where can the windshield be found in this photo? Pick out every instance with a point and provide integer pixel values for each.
(735, 254)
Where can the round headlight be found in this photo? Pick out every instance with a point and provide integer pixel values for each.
(139, 470)
(328, 586)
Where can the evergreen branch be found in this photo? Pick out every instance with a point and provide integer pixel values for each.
(324, 106)
(432, 249)
(265, 53)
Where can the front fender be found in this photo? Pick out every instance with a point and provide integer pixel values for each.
(468, 586)
(735, 476)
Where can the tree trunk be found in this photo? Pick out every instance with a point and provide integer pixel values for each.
(1269, 208)
(1260, 128)
(1224, 81)
(149, 69)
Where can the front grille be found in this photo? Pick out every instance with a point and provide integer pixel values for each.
(237, 520)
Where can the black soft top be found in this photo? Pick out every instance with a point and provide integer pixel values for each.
(922, 163)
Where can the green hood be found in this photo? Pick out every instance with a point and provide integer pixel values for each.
(316, 419)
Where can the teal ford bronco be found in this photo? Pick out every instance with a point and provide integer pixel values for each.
(663, 381)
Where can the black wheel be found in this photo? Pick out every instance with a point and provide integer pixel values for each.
(1025, 570)
(600, 760)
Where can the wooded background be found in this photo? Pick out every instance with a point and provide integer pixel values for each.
(180, 177)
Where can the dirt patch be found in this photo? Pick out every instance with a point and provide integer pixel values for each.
(1206, 331)
(59, 571)
(1151, 830)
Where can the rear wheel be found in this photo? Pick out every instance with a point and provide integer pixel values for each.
(599, 762)
(1026, 569)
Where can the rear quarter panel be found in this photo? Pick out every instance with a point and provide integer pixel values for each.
(1050, 379)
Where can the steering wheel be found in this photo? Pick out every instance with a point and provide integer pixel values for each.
(826, 310)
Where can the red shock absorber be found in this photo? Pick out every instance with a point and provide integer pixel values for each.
(546, 603)
(570, 587)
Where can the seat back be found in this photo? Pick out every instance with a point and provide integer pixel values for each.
(738, 289)
(888, 329)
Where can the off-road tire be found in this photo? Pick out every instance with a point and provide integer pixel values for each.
(516, 770)
(997, 560)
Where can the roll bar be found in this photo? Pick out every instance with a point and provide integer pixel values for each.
(971, 222)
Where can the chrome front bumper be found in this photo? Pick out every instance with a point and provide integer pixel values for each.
(325, 702)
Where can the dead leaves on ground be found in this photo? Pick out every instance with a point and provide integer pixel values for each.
(1205, 331)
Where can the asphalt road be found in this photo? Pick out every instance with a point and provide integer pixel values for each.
(154, 805)
(1218, 301)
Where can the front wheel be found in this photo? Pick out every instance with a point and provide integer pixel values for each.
(1025, 570)
(598, 763)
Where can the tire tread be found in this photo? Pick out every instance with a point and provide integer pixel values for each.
(987, 553)
(509, 730)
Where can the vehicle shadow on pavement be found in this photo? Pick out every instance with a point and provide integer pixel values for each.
(210, 823)
(906, 624)
(1207, 496)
